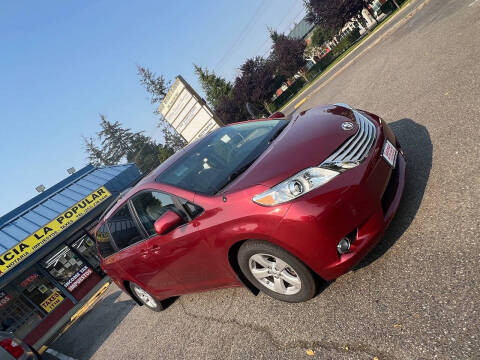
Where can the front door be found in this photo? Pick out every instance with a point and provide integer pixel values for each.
(182, 252)
(133, 255)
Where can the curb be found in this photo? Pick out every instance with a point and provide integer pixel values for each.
(85, 308)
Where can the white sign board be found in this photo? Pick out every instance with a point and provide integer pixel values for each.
(184, 109)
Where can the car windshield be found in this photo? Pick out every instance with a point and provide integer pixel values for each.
(216, 160)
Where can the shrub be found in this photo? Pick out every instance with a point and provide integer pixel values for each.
(388, 7)
(271, 107)
(320, 65)
(287, 94)
(346, 42)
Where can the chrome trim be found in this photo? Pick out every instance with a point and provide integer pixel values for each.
(347, 125)
(357, 147)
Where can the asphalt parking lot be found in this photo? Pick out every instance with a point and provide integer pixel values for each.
(416, 295)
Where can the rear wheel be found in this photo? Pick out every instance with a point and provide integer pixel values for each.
(146, 298)
(276, 272)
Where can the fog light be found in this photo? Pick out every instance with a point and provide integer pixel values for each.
(343, 246)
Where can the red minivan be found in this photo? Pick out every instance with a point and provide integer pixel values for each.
(274, 204)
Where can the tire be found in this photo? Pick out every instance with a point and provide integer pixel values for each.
(276, 272)
(146, 298)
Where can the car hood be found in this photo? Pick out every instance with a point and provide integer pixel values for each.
(308, 139)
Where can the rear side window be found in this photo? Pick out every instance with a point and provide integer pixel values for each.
(150, 206)
(103, 242)
(123, 229)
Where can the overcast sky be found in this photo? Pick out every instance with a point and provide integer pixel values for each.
(64, 62)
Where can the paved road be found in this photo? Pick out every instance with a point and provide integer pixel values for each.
(384, 30)
(416, 296)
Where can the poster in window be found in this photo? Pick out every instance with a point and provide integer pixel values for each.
(29, 280)
(4, 298)
(50, 303)
(78, 278)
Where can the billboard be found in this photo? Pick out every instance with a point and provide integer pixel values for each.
(187, 112)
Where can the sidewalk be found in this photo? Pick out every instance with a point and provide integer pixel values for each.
(89, 303)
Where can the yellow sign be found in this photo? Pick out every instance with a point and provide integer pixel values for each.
(52, 302)
(18, 253)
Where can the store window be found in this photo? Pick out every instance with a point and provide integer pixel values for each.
(17, 315)
(40, 291)
(86, 247)
(105, 247)
(123, 229)
(67, 268)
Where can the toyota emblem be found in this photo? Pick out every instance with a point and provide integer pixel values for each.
(347, 126)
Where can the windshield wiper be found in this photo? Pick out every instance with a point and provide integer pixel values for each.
(236, 174)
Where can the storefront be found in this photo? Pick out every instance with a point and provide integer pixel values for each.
(48, 259)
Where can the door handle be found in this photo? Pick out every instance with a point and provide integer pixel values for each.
(156, 249)
(144, 253)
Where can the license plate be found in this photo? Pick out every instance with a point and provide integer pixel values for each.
(389, 153)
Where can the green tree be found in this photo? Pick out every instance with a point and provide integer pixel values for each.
(215, 87)
(321, 35)
(157, 87)
(333, 14)
(232, 108)
(288, 55)
(147, 153)
(256, 82)
(114, 144)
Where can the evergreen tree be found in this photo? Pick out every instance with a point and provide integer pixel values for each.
(156, 86)
(114, 144)
(146, 153)
(215, 87)
(116, 141)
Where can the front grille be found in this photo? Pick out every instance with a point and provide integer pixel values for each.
(356, 148)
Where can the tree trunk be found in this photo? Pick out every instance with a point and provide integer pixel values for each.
(304, 75)
(265, 105)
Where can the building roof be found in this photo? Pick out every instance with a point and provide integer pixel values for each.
(301, 30)
(43, 208)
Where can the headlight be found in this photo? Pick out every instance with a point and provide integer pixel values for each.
(298, 185)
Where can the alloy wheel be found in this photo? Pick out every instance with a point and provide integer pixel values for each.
(275, 274)
(145, 297)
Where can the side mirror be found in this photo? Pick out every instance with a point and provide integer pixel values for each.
(167, 222)
(277, 115)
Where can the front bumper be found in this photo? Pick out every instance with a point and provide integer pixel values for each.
(360, 205)
(370, 232)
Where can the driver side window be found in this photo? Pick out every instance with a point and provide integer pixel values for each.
(150, 205)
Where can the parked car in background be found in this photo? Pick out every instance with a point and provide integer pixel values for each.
(13, 348)
(274, 204)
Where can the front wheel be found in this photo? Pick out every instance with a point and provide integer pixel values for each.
(276, 272)
(146, 298)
